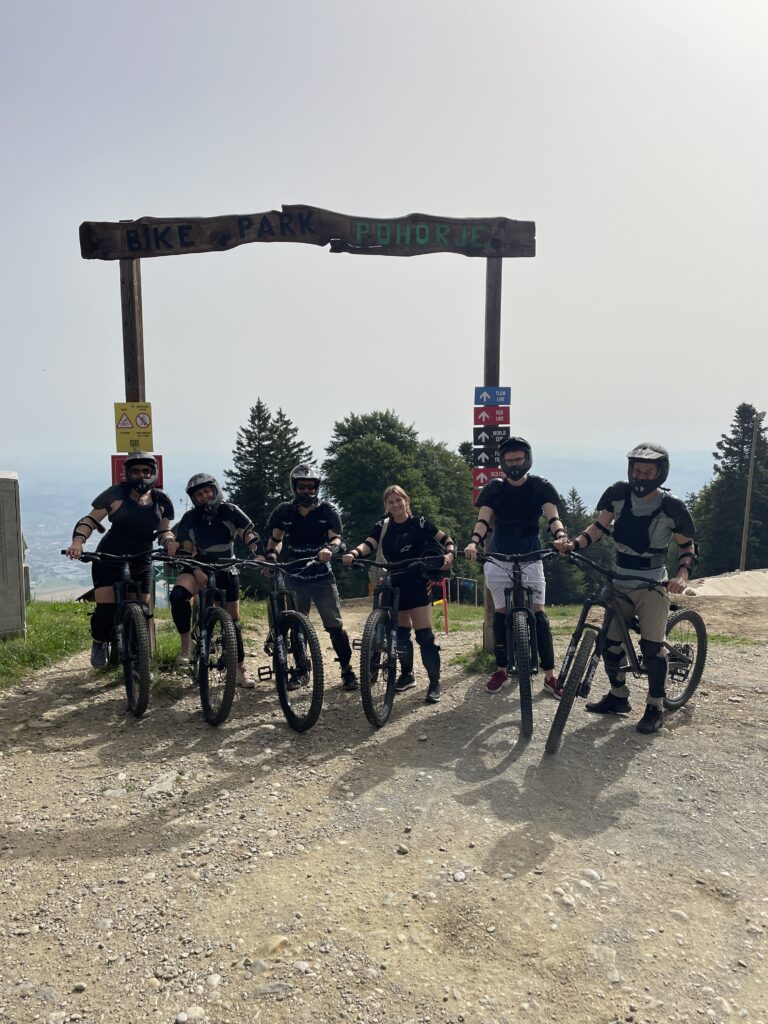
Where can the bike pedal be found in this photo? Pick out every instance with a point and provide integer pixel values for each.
(357, 644)
(264, 673)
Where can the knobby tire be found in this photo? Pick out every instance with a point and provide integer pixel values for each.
(521, 646)
(572, 686)
(217, 673)
(378, 671)
(300, 679)
(686, 656)
(136, 659)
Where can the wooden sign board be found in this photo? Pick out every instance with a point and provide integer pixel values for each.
(411, 235)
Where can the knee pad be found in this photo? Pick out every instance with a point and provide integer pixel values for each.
(652, 649)
(612, 659)
(341, 645)
(430, 653)
(102, 621)
(181, 608)
(544, 641)
(405, 648)
(239, 641)
(500, 638)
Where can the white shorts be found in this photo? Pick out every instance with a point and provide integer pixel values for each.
(497, 580)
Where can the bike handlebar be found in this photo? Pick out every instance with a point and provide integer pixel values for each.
(183, 560)
(574, 556)
(528, 556)
(98, 556)
(430, 561)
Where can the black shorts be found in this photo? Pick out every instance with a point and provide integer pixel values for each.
(229, 582)
(106, 574)
(413, 591)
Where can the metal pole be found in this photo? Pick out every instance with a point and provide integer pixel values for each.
(491, 377)
(759, 416)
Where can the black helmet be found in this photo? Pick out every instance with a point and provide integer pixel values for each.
(305, 471)
(145, 483)
(204, 480)
(516, 444)
(648, 451)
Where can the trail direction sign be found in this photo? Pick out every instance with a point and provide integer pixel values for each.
(118, 469)
(489, 436)
(491, 415)
(133, 426)
(492, 395)
(484, 457)
(481, 477)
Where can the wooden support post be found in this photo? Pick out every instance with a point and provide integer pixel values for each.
(491, 378)
(133, 330)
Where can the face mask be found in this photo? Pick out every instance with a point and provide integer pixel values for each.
(305, 500)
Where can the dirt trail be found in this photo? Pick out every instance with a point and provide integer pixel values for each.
(440, 870)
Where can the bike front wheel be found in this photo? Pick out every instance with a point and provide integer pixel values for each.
(519, 642)
(217, 671)
(136, 659)
(686, 646)
(299, 671)
(378, 668)
(571, 688)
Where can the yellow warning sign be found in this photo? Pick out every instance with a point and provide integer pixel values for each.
(133, 427)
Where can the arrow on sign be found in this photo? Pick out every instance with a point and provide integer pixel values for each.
(483, 415)
(483, 457)
(483, 437)
(481, 478)
(484, 396)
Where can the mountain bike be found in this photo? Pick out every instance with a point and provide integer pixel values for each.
(129, 642)
(378, 647)
(685, 647)
(297, 661)
(520, 622)
(214, 640)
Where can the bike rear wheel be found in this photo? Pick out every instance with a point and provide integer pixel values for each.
(378, 668)
(521, 646)
(686, 645)
(299, 676)
(573, 684)
(135, 659)
(217, 671)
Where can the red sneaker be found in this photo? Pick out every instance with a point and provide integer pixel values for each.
(496, 681)
(553, 687)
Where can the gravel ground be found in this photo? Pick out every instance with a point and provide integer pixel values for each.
(440, 870)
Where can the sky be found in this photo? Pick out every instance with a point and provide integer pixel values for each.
(633, 134)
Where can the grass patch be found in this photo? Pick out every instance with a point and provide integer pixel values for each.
(725, 640)
(55, 630)
(476, 661)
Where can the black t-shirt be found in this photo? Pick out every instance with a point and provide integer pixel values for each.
(212, 535)
(517, 511)
(405, 540)
(133, 526)
(305, 534)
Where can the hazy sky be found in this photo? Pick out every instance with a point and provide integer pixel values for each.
(633, 134)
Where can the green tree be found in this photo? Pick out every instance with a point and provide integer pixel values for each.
(466, 450)
(266, 449)
(718, 508)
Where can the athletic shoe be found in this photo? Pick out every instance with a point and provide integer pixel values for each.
(651, 720)
(553, 687)
(182, 661)
(405, 681)
(349, 679)
(243, 679)
(296, 680)
(434, 693)
(610, 705)
(496, 681)
(99, 655)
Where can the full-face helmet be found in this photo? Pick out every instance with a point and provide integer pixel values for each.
(145, 483)
(516, 444)
(305, 472)
(648, 451)
(198, 481)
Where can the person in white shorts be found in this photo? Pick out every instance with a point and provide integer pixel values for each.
(511, 508)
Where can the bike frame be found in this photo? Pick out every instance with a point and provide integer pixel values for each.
(518, 597)
(608, 600)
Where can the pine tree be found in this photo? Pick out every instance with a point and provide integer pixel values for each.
(718, 507)
(289, 451)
